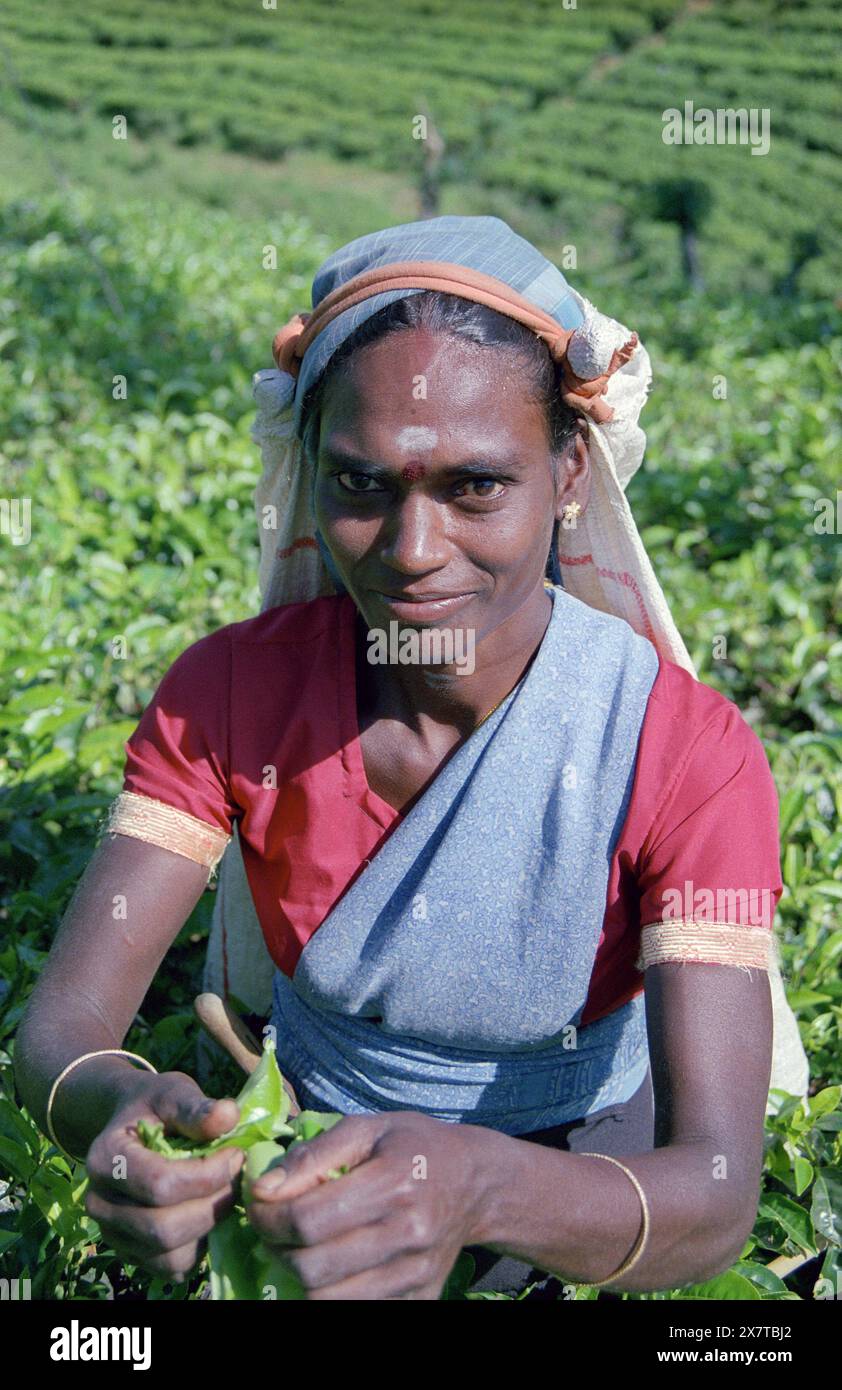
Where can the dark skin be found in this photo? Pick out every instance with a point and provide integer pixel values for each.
(391, 1228)
(433, 525)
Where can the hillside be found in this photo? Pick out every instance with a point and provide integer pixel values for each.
(551, 116)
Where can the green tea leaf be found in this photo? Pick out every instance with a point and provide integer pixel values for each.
(762, 1277)
(259, 1160)
(232, 1258)
(803, 1174)
(264, 1094)
(794, 1220)
(826, 1209)
(729, 1286)
(308, 1123)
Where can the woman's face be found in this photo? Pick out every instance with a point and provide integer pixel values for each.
(434, 479)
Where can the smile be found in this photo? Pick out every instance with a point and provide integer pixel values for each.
(420, 607)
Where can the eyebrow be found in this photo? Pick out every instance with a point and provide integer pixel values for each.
(473, 463)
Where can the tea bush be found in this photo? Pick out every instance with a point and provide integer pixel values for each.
(143, 527)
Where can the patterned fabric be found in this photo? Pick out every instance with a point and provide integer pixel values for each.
(419, 938)
(338, 1062)
(700, 940)
(481, 243)
(479, 993)
(253, 732)
(146, 818)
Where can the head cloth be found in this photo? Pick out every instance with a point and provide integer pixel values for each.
(605, 376)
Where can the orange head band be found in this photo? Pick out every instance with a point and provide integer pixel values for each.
(292, 341)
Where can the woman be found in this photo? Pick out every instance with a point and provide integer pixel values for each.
(472, 876)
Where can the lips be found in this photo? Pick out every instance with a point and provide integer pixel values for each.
(429, 596)
(422, 606)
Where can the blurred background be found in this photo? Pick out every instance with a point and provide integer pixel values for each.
(171, 176)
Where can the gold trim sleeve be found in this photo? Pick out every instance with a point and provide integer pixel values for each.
(716, 943)
(145, 818)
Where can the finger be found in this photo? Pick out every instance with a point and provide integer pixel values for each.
(366, 1194)
(119, 1165)
(366, 1247)
(157, 1230)
(177, 1264)
(408, 1276)
(347, 1143)
(186, 1110)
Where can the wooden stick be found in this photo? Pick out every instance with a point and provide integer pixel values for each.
(785, 1265)
(222, 1024)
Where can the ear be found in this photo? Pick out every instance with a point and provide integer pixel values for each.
(574, 474)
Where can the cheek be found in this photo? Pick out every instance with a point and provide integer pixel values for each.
(515, 534)
(349, 537)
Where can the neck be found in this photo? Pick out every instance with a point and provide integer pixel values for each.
(427, 698)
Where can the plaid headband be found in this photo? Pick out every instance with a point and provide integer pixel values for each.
(580, 393)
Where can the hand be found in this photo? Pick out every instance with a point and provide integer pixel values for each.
(393, 1226)
(156, 1211)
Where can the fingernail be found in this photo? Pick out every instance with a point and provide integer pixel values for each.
(267, 1186)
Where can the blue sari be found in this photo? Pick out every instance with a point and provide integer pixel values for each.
(452, 975)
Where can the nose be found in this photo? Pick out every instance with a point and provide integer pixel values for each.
(413, 541)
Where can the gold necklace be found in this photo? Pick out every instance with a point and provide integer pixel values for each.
(497, 706)
(547, 585)
(510, 692)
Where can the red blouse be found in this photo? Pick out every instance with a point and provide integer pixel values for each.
(257, 723)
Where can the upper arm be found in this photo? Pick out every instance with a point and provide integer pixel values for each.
(167, 831)
(709, 882)
(710, 1047)
(128, 908)
(709, 876)
(176, 783)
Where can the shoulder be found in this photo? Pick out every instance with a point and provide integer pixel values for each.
(685, 711)
(309, 621)
(288, 624)
(695, 744)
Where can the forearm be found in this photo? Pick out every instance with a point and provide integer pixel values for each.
(579, 1217)
(99, 970)
(48, 1038)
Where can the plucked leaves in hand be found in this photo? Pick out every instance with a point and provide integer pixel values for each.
(241, 1266)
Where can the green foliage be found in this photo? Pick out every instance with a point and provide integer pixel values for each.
(240, 1266)
(561, 109)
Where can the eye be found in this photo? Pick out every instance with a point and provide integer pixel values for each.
(358, 478)
(484, 483)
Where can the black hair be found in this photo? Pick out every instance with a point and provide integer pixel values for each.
(477, 323)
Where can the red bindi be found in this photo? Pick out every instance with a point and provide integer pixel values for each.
(413, 472)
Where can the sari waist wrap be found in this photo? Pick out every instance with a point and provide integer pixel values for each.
(471, 934)
(348, 1065)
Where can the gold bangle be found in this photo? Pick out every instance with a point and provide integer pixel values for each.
(104, 1052)
(637, 1249)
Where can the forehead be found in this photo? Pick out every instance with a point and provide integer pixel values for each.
(414, 384)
